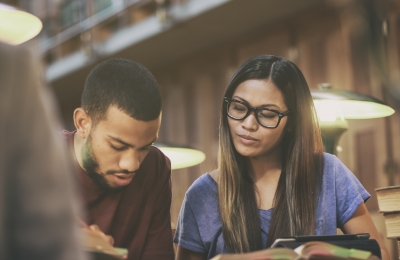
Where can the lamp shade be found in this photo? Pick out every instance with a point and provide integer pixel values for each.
(17, 26)
(181, 156)
(331, 104)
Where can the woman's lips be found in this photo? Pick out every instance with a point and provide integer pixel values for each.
(246, 139)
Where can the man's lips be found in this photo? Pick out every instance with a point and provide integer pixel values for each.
(124, 175)
(122, 179)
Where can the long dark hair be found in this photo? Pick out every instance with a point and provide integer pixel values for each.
(298, 188)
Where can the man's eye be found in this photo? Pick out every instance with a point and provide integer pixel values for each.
(118, 148)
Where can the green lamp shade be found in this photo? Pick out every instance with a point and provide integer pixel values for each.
(181, 157)
(333, 104)
(17, 26)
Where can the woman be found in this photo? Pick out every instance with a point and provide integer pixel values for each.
(273, 179)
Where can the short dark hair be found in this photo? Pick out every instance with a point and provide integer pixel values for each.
(125, 84)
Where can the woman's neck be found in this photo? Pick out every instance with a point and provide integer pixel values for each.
(266, 168)
(265, 172)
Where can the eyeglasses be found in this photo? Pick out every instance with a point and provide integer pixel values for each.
(266, 117)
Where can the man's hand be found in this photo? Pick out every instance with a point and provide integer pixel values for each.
(107, 238)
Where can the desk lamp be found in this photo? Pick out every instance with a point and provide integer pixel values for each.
(17, 26)
(334, 107)
(181, 156)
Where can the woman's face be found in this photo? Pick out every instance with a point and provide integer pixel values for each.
(249, 137)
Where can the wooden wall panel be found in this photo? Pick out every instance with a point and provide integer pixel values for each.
(320, 44)
(276, 42)
(366, 165)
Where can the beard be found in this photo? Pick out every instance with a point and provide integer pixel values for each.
(91, 166)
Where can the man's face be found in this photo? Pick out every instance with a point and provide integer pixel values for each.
(116, 147)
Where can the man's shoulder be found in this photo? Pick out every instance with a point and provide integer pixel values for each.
(156, 161)
(156, 154)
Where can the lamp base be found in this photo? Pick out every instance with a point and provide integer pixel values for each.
(330, 138)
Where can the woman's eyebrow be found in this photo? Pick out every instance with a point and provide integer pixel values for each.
(263, 105)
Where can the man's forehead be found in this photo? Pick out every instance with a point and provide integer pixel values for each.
(119, 126)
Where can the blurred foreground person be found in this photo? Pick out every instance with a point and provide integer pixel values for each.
(37, 210)
(125, 181)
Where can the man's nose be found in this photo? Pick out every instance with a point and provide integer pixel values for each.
(130, 161)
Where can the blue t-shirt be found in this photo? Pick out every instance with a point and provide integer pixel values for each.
(200, 229)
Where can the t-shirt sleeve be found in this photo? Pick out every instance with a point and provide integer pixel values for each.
(187, 233)
(349, 193)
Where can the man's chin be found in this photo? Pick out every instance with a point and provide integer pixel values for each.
(105, 184)
(113, 189)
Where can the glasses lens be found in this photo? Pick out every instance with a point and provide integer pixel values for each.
(268, 118)
(237, 110)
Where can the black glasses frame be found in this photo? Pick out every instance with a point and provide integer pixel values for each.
(250, 109)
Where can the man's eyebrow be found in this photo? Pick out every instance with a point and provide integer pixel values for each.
(129, 145)
(120, 141)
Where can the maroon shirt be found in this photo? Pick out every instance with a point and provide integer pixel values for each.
(138, 217)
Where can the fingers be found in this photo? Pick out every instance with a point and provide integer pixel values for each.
(96, 229)
(110, 239)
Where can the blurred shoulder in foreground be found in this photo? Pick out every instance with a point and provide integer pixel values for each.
(37, 205)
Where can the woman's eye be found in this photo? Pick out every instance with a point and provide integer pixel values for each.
(267, 115)
(239, 108)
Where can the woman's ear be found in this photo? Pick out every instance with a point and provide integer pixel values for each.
(83, 122)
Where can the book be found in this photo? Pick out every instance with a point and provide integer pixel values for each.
(392, 222)
(99, 248)
(272, 253)
(359, 241)
(398, 245)
(312, 250)
(388, 198)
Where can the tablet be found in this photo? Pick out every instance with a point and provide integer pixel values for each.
(320, 238)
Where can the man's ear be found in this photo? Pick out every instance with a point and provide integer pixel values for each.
(83, 122)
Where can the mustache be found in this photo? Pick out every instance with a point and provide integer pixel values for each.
(110, 172)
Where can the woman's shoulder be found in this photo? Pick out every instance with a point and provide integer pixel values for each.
(203, 193)
(331, 162)
(335, 169)
(205, 184)
(330, 158)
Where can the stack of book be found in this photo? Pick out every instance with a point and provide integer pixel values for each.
(389, 205)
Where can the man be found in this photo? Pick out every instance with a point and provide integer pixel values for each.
(125, 181)
(37, 206)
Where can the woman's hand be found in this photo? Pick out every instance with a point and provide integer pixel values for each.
(361, 222)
